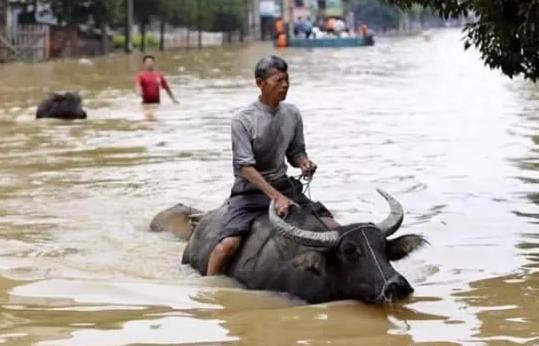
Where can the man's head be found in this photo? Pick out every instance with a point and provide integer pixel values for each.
(271, 74)
(148, 62)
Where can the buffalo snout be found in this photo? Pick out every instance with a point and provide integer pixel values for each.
(396, 288)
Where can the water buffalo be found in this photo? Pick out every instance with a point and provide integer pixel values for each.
(300, 256)
(61, 106)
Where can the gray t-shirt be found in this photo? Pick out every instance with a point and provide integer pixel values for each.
(262, 137)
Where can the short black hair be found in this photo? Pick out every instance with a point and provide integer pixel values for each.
(264, 66)
(148, 57)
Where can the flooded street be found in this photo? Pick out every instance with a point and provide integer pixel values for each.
(456, 143)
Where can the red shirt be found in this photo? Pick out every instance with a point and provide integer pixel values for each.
(149, 82)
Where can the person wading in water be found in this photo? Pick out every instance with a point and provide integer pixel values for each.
(148, 84)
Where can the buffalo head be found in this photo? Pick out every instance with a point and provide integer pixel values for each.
(61, 106)
(356, 259)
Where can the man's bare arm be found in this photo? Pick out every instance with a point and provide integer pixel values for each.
(171, 95)
(166, 86)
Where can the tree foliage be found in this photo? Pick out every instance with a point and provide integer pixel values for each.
(217, 15)
(380, 15)
(506, 32)
(228, 16)
(80, 12)
(208, 15)
(376, 14)
(105, 12)
(214, 15)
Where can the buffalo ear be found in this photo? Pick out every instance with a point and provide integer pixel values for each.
(311, 261)
(402, 246)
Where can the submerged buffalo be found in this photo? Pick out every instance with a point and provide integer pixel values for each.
(300, 256)
(61, 106)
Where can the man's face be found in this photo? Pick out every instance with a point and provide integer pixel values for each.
(149, 64)
(275, 86)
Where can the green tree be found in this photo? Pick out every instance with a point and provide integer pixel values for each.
(164, 11)
(228, 16)
(143, 11)
(105, 13)
(73, 13)
(182, 12)
(381, 15)
(193, 14)
(506, 32)
(376, 14)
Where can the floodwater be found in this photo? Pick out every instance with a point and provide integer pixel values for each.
(456, 143)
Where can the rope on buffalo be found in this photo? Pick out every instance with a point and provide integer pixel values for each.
(306, 190)
(375, 260)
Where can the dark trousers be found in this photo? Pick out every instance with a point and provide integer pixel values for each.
(243, 209)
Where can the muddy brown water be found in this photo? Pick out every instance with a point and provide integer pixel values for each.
(456, 143)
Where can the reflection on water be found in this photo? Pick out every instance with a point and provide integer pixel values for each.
(506, 307)
(456, 143)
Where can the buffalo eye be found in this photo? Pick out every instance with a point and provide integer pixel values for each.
(350, 251)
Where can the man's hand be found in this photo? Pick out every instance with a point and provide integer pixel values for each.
(307, 168)
(281, 204)
(171, 95)
(281, 201)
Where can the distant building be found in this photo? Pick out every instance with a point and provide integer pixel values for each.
(26, 12)
(269, 10)
(29, 30)
(24, 29)
(318, 8)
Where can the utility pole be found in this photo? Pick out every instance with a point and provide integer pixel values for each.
(249, 18)
(290, 14)
(4, 30)
(256, 20)
(199, 20)
(3, 14)
(245, 25)
(253, 19)
(128, 26)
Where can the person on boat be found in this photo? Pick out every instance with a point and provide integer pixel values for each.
(330, 25)
(321, 24)
(264, 134)
(317, 33)
(339, 27)
(363, 30)
(280, 26)
(308, 27)
(280, 33)
(298, 26)
(345, 33)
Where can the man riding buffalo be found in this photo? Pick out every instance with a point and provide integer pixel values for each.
(297, 249)
(264, 133)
